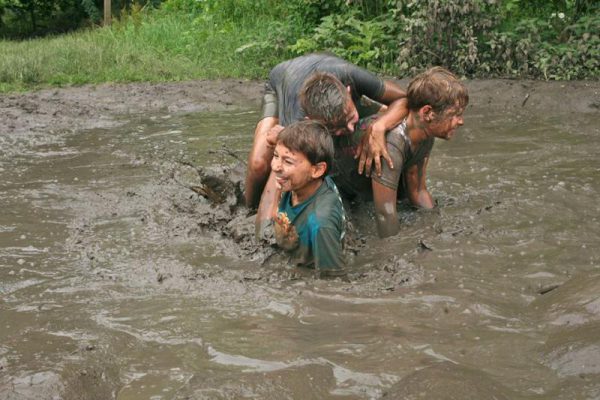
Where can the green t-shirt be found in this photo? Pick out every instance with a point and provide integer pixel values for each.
(319, 223)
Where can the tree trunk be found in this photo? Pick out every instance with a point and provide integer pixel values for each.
(32, 16)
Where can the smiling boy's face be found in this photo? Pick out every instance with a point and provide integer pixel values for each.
(293, 172)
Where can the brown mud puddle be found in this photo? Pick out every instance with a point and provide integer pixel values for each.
(119, 279)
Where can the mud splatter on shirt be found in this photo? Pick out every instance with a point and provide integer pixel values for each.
(317, 228)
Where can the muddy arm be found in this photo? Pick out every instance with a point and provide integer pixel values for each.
(416, 186)
(391, 93)
(386, 214)
(259, 161)
(267, 209)
(373, 146)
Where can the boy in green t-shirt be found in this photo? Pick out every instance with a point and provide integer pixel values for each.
(309, 221)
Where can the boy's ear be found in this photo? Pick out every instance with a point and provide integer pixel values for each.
(348, 89)
(426, 113)
(318, 170)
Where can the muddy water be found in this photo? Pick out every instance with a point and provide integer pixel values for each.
(118, 281)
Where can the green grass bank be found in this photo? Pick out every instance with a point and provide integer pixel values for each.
(205, 39)
(151, 47)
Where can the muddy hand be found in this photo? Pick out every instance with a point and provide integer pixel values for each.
(370, 150)
(285, 233)
(273, 134)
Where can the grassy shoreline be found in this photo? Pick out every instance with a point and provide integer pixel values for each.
(158, 48)
(171, 44)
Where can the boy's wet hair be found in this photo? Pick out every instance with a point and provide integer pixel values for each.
(324, 97)
(310, 138)
(438, 88)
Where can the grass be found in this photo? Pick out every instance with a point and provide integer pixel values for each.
(151, 47)
(245, 38)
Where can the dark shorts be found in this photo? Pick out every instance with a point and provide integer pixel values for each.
(269, 103)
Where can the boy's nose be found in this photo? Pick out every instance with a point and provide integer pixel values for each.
(275, 165)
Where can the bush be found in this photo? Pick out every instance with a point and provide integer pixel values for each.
(191, 39)
(549, 39)
(444, 32)
(365, 43)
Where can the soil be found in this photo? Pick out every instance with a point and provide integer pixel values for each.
(98, 106)
(46, 116)
(91, 106)
(161, 210)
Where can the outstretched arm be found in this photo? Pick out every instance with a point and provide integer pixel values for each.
(372, 147)
(386, 213)
(416, 186)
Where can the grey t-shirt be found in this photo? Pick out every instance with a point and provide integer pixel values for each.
(287, 78)
(403, 154)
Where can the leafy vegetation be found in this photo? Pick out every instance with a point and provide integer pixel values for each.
(548, 39)
(32, 18)
(191, 39)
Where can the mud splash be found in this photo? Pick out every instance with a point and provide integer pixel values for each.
(127, 269)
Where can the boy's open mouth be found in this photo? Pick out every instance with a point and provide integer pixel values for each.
(280, 180)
